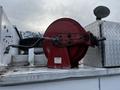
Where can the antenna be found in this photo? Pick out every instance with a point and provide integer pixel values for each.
(101, 12)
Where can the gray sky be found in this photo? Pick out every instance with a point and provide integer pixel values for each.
(36, 15)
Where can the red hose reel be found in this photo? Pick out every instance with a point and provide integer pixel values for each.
(66, 43)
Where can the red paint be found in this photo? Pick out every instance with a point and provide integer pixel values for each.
(74, 42)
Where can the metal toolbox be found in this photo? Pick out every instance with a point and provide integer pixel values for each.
(107, 54)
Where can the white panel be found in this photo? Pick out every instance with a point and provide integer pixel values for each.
(58, 60)
(8, 36)
(110, 83)
(80, 84)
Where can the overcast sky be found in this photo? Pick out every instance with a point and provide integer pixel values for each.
(36, 15)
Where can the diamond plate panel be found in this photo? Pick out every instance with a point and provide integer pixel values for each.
(108, 53)
(93, 56)
(111, 31)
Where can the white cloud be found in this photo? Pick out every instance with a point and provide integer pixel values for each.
(38, 14)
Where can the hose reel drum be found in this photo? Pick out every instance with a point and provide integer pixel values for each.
(66, 43)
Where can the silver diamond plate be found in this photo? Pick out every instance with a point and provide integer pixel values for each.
(111, 31)
(111, 50)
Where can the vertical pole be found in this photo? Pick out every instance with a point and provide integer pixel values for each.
(1, 13)
(99, 83)
(31, 57)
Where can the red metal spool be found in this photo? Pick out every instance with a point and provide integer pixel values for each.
(68, 56)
